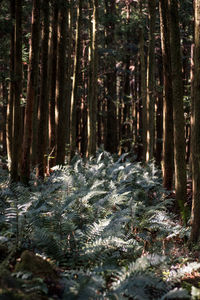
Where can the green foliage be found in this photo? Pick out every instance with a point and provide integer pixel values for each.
(105, 222)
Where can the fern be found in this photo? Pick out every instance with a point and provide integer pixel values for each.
(97, 218)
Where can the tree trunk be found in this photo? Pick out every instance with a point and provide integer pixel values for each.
(43, 100)
(52, 102)
(76, 80)
(151, 80)
(143, 89)
(32, 86)
(112, 143)
(69, 72)
(178, 114)
(127, 122)
(195, 217)
(61, 79)
(168, 145)
(92, 94)
(4, 114)
(17, 92)
(9, 121)
(159, 113)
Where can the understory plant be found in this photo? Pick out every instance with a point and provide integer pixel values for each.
(106, 223)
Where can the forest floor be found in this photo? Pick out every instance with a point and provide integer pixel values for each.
(102, 228)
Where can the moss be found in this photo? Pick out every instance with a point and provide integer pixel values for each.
(36, 265)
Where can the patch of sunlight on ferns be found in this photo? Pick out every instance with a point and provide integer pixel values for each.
(95, 217)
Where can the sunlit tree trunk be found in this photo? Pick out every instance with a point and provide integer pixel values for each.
(92, 94)
(168, 145)
(9, 121)
(76, 80)
(43, 100)
(112, 143)
(178, 114)
(61, 80)
(151, 80)
(32, 86)
(16, 147)
(195, 217)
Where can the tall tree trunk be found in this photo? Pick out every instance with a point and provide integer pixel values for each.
(61, 90)
(69, 68)
(159, 113)
(195, 232)
(178, 114)
(9, 121)
(192, 103)
(151, 80)
(168, 136)
(76, 80)
(43, 100)
(111, 78)
(92, 95)
(143, 89)
(4, 114)
(32, 86)
(52, 102)
(127, 125)
(83, 134)
(17, 92)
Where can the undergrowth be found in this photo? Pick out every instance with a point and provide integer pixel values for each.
(108, 227)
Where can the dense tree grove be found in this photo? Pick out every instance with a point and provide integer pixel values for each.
(100, 147)
(123, 75)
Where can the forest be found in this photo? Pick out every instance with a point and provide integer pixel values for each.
(99, 149)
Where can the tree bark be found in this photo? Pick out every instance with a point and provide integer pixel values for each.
(168, 136)
(178, 113)
(17, 92)
(151, 81)
(43, 100)
(92, 95)
(143, 89)
(112, 143)
(61, 90)
(53, 74)
(76, 80)
(9, 121)
(195, 216)
(32, 86)
(159, 113)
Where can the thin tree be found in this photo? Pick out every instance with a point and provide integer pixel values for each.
(178, 113)
(17, 92)
(53, 74)
(9, 121)
(76, 80)
(195, 217)
(151, 80)
(112, 139)
(32, 86)
(43, 100)
(168, 145)
(143, 86)
(61, 100)
(92, 94)
(126, 111)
